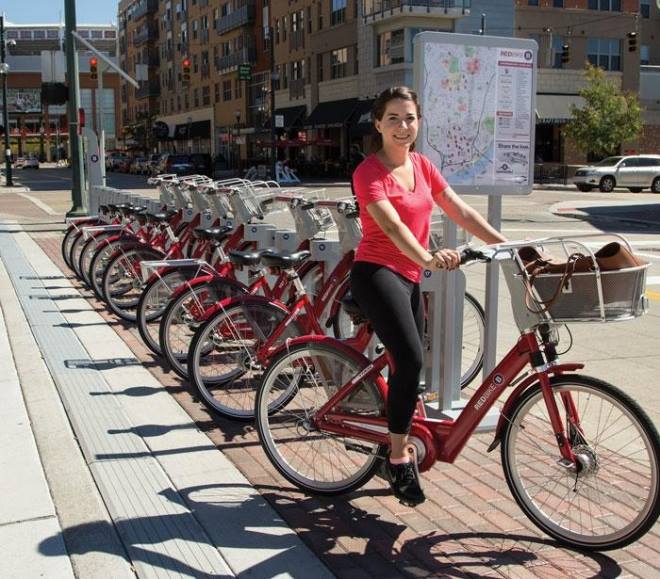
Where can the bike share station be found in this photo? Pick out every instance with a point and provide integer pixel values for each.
(477, 95)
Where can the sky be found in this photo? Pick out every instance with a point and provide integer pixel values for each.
(51, 11)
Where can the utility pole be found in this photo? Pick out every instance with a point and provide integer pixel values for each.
(73, 80)
(482, 31)
(4, 72)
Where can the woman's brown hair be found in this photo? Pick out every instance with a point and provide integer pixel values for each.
(380, 104)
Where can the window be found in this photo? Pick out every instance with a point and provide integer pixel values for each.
(206, 96)
(39, 34)
(645, 8)
(390, 48)
(27, 34)
(217, 92)
(53, 34)
(643, 54)
(309, 20)
(532, 2)
(608, 5)
(605, 53)
(558, 3)
(238, 88)
(277, 31)
(338, 61)
(285, 27)
(338, 14)
(196, 98)
(226, 90)
(97, 33)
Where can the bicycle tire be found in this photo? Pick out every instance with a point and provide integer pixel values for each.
(121, 279)
(87, 254)
(297, 381)
(588, 506)
(154, 301)
(65, 246)
(222, 364)
(74, 254)
(99, 264)
(187, 311)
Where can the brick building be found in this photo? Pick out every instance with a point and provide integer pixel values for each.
(39, 129)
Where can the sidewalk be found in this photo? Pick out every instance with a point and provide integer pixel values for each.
(146, 483)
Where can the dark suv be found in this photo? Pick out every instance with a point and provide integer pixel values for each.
(202, 163)
(175, 163)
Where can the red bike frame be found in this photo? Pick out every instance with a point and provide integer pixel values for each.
(444, 439)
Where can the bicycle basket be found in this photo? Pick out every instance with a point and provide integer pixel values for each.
(310, 222)
(592, 296)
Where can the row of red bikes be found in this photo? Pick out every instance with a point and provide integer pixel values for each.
(259, 320)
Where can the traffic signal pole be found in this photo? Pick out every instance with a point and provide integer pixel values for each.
(75, 140)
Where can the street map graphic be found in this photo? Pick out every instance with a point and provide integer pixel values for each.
(477, 112)
(460, 111)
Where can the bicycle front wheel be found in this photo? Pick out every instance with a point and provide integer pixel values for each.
(610, 498)
(224, 360)
(296, 384)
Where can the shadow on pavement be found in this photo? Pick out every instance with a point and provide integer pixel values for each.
(624, 219)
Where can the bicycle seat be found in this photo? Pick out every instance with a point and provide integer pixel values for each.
(215, 233)
(104, 208)
(247, 258)
(285, 259)
(161, 217)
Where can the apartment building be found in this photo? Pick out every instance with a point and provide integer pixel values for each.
(139, 57)
(37, 57)
(594, 31)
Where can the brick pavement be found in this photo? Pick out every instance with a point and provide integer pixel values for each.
(469, 526)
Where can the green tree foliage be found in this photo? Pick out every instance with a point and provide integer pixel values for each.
(608, 117)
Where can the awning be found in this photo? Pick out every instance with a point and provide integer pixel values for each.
(555, 109)
(362, 121)
(292, 117)
(198, 129)
(331, 114)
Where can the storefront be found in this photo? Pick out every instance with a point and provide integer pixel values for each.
(553, 111)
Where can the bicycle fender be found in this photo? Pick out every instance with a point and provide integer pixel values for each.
(136, 245)
(526, 383)
(231, 301)
(108, 240)
(192, 284)
(75, 223)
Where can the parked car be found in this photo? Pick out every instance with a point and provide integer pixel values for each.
(19, 162)
(176, 163)
(123, 164)
(152, 163)
(114, 159)
(202, 163)
(636, 172)
(31, 163)
(137, 166)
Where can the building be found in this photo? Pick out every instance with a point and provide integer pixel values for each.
(36, 57)
(570, 33)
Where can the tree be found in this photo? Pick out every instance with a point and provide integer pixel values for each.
(608, 117)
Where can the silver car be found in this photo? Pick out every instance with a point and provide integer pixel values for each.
(636, 172)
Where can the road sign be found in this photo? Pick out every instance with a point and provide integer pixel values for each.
(244, 72)
(279, 121)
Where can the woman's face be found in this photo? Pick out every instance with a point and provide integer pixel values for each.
(399, 124)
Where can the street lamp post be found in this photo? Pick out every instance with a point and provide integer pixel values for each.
(4, 72)
(75, 142)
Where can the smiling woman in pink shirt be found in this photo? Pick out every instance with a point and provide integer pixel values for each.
(396, 189)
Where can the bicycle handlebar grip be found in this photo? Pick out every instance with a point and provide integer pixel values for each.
(469, 254)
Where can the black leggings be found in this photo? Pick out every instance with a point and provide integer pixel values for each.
(393, 305)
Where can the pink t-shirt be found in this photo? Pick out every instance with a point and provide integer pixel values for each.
(373, 181)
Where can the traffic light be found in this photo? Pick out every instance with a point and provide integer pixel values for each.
(632, 41)
(93, 68)
(565, 54)
(185, 71)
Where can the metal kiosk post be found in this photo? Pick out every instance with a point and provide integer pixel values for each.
(477, 95)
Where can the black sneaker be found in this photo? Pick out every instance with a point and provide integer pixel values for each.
(404, 480)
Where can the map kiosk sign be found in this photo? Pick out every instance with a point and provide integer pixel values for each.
(477, 95)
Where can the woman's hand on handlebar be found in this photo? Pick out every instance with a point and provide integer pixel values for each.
(445, 259)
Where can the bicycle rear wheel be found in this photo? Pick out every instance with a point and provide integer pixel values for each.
(122, 281)
(185, 314)
(223, 361)
(611, 499)
(297, 383)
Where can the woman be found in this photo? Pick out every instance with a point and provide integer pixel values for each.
(396, 189)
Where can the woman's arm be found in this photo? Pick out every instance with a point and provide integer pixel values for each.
(466, 217)
(389, 221)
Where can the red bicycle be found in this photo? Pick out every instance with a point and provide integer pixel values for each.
(580, 457)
